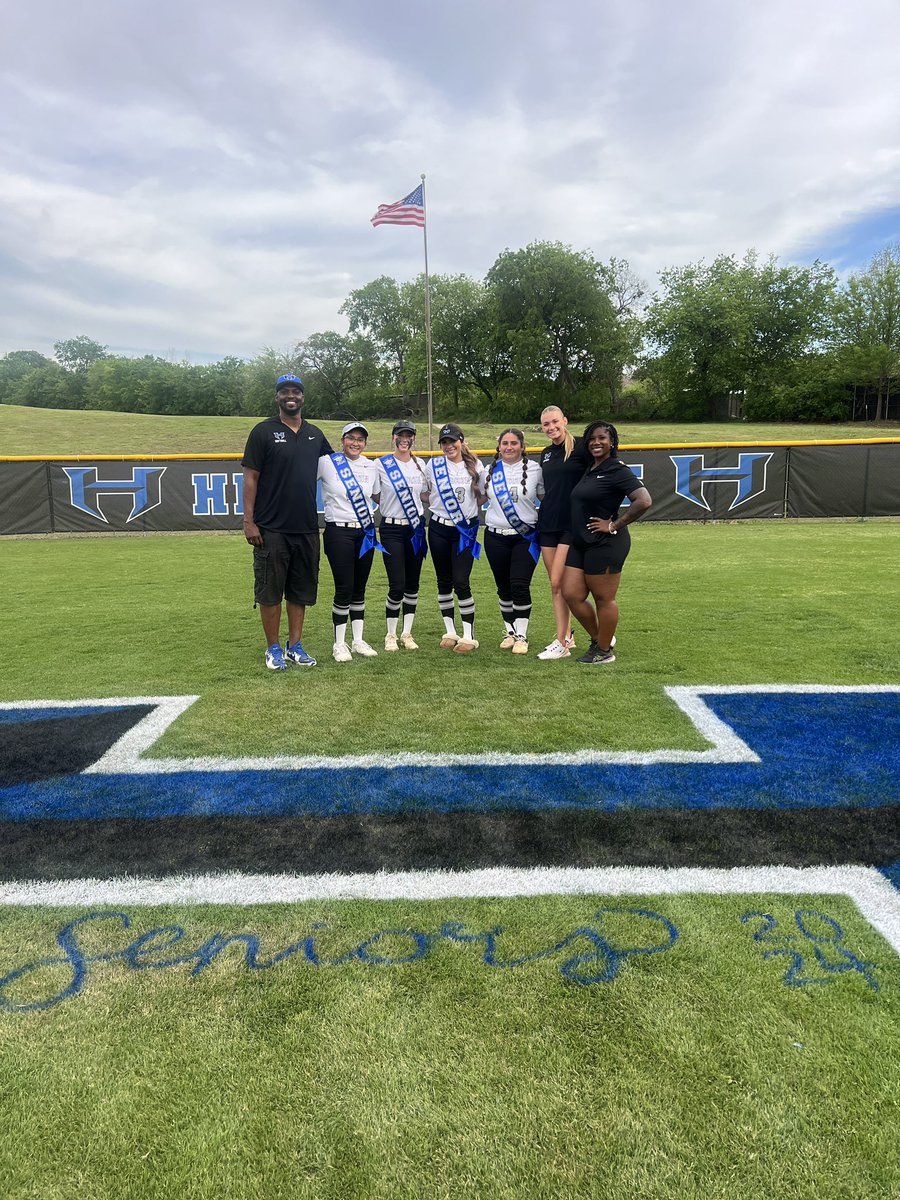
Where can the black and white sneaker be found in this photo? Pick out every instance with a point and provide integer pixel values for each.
(594, 656)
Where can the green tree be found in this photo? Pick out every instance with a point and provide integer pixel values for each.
(733, 326)
(387, 315)
(77, 354)
(48, 387)
(867, 326)
(330, 367)
(469, 349)
(553, 305)
(14, 367)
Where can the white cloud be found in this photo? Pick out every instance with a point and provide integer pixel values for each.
(205, 179)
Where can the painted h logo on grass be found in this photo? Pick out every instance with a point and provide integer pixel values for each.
(692, 475)
(85, 490)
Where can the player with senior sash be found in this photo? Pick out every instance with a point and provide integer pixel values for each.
(513, 485)
(456, 493)
(402, 484)
(349, 487)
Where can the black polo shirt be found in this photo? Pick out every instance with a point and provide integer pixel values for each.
(599, 494)
(560, 476)
(287, 463)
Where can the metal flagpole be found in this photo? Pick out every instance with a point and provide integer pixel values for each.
(427, 322)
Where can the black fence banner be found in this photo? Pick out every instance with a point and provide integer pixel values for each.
(687, 483)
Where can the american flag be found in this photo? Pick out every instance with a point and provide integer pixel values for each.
(408, 211)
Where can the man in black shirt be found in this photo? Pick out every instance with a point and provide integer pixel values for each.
(281, 523)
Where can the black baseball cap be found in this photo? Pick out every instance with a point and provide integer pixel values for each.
(451, 433)
(403, 426)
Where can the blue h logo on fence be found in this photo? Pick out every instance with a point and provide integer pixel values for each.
(211, 497)
(692, 475)
(85, 490)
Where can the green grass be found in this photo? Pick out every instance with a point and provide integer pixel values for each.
(748, 602)
(25, 431)
(695, 1073)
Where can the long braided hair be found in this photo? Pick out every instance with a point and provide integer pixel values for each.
(520, 438)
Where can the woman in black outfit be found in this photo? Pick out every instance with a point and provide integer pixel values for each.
(600, 542)
(563, 463)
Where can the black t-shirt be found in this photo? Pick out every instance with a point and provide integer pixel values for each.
(287, 464)
(599, 494)
(560, 476)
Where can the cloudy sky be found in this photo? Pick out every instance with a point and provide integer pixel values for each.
(196, 178)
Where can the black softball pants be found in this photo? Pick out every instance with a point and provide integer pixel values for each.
(512, 565)
(452, 569)
(404, 568)
(351, 573)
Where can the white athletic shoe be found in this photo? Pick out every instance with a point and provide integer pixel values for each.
(465, 646)
(408, 642)
(521, 645)
(341, 652)
(508, 642)
(363, 649)
(390, 642)
(555, 650)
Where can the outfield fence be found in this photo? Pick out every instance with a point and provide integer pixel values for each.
(698, 482)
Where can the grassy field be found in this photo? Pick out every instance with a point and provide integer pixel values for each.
(50, 431)
(703, 603)
(695, 1073)
(408, 1048)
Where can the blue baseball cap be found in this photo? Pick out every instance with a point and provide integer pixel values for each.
(288, 381)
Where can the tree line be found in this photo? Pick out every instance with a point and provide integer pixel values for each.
(548, 324)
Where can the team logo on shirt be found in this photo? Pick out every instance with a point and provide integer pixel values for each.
(278, 435)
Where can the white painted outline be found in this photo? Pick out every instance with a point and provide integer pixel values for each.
(873, 894)
(125, 756)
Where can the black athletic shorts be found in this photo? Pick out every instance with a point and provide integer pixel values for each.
(608, 554)
(286, 567)
(553, 537)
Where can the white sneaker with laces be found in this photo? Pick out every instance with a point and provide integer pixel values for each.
(555, 650)
(521, 645)
(363, 649)
(508, 642)
(390, 642)
(408, 642)
(341, 652)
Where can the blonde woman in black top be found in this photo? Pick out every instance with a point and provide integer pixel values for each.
(563, 463)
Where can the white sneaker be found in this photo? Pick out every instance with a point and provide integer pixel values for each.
(408, 642)
(555, 650)
(508, 642)
(341, 652)
(390, 642)
(363, 649)
(521, 645)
